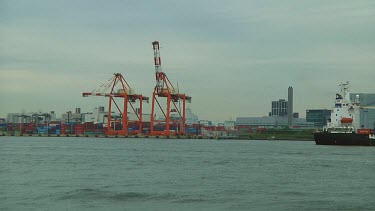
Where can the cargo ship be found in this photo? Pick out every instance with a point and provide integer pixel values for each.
(343, 128)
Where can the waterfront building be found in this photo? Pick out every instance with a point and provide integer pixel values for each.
(30, 117)
(367, 113)
(205, 123)
(98, 115)
(70, 117)
(229, 125)
(13, 118)
(191, 118)
(318, 116)
(276, 122)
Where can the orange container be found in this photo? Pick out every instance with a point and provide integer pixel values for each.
(364, 131)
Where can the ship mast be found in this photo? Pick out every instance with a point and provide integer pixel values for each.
(345, 91)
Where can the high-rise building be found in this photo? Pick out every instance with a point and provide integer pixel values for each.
(283, 108)
(279, 108)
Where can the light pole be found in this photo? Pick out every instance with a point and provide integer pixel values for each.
(104, 116)
(47, 121)
(82, 117)
(365, 112)
(70, 125)
(19, 124)
(82, 122)
(85, 120)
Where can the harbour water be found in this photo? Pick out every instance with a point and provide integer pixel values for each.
(45, 173)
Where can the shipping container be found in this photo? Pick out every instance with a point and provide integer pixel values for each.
(99, 126)
(191, 130)
(42, 131)
(365, 131)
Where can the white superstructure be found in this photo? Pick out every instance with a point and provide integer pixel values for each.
(345, 114)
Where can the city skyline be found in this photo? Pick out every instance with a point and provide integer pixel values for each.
(233, 58)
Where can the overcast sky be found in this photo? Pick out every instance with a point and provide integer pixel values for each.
(233, 57)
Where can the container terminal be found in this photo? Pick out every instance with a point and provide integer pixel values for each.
(167, 102)
(168, 116)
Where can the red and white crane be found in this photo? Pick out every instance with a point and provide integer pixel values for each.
(165, 89)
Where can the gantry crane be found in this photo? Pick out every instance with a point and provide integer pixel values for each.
(165, 89)
(119, 88)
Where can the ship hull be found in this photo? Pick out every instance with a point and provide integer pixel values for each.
(325, 138)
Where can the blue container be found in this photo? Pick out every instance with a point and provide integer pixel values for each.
(191, 130)
(42, 131)
(99, 126)
(173, 127)
(145, 130)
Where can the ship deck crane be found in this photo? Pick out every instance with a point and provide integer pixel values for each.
(367, 107)
(119, 88)
(165, 89)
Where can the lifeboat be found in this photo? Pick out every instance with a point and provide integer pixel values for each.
(346, 120)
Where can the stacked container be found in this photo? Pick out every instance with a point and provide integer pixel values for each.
(79, 129)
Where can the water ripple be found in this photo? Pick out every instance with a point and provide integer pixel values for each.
(98, 194)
